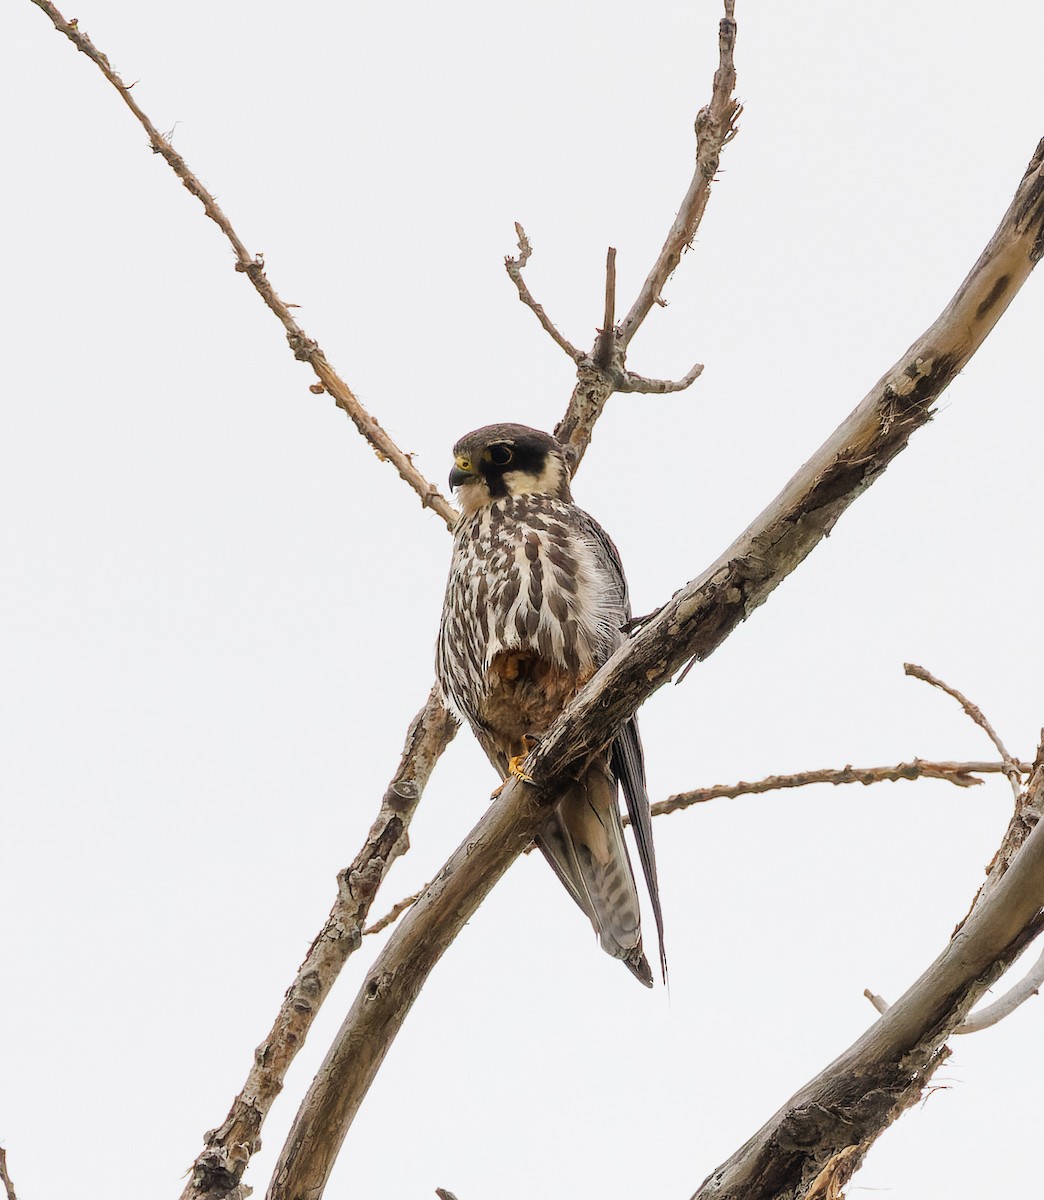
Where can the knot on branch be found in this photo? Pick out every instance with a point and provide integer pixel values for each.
(303, 347)
(251, 266)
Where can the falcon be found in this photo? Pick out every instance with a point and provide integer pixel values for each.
(535, 604)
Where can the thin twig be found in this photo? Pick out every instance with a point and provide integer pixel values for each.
(219, 1168)
(9, 1189)
(630, 382)
(605, 342)
(395, 912)
(879, 1002)
(305, 349)
(514, 267)
(715, 128)
(961, 774)
(976, 714)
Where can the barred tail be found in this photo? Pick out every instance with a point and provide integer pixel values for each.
(583, 841)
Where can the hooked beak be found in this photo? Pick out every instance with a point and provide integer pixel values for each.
(459, 476)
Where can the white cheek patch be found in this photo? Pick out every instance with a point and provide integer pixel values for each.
(547, 483)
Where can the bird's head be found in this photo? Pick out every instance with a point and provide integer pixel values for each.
(507, 460)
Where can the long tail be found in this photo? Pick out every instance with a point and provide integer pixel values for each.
(628, 764)
(583, 841)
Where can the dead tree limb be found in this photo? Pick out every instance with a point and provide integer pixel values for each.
(960, 774)
(604, 370)
(305, 349)
(514, 268)
(218, 1169)
(715, 128)
(834, 1119)
(5, 1178)
(977, 715)
(687, 629)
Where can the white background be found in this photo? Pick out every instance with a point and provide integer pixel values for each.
(219, 607)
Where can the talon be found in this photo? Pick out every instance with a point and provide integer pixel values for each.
(515, 767)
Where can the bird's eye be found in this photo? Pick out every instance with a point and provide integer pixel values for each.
(501, 455)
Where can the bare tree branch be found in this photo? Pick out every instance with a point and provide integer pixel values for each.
(860, 1094)
(1008, 1003)
(305, 348)
(605, 369)
(395, 912)
(847, 1106)
(1028, 986)
(977, 715)
(514, 268)
(1028, 814)
(961, 774)
(218, 1170)
(603, 347)
(630, 382)
(688, 628)
(9, 1190)
(715, 128)
(879, 1002)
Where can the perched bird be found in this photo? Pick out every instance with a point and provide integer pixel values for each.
(535, 604)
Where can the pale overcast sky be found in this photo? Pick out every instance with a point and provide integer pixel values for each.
(219, 609)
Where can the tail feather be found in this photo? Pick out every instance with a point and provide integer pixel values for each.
(628, 764)
(583, 841)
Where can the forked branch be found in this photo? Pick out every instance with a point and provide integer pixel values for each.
(848, 1105)
(604, 370)
(1011, 767)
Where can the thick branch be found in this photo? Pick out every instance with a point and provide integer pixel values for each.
(993, 1013)
(689, 627)
(218, 1170)
(845, 1108)
(305, 348)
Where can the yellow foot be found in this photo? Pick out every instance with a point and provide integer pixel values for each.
(516, 769)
